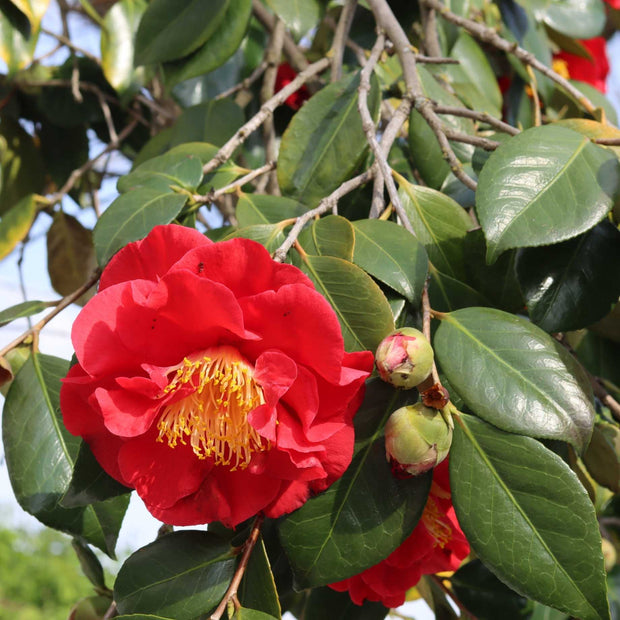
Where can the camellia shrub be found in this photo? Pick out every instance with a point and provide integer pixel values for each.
(348, 276)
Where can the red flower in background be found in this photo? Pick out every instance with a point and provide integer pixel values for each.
(614, 4)
(437, 544)
(286, 74)
(593, 71)
(212, 379)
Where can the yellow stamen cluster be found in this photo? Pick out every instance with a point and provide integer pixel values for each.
(215, 415)
(436, 523)
(561, 68)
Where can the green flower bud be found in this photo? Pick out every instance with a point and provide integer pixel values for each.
(404, 358)
(417, 438)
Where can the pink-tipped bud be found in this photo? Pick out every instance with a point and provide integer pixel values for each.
(417, 438)
(404, 358)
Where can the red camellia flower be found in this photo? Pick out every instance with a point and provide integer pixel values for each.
(212, 379)
(437, 544)
(285, 75)
(593, 71)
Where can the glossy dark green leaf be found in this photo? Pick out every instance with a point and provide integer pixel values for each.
(171, 29)
(40, 455)
(545, 185)
(541, 536)
(89, 482)
(447, 294)
(579, 19)
(300, 16)
(327, 603)
(18, 39)
(364, 515)
(269, 235)
(425, 150)
(163, 172)
(435, 598)
(131, 217)
(21, 166)
(440, 224)
(393, 255)
(117, 45)
(15, 224)
(473, 79)
(332, 235)
(257, 590)
(255, 209)
(89, 563)
(497, 282)
(70, 254)
(571, 285)
(485, 596)
(180, 575)
(244, 613)
(602, 457)
(324, 142)
(218, 48)
(515, 376)
(63, 149)
(362, 308)
(601, 357)
(26, 308)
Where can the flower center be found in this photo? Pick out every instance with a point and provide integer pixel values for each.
(215, 414)
(436, 524)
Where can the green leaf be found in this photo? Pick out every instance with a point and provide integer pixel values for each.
(163, 172)
(602, 458)
(251, 614)
(34, 10)
(362, 309)
(21, 166)
(485, 596)
(217, 50)
(528, 518)
(142, 617)
(570, 285)
(579, 19)
(258, 588)
(132, 216)
(473, 78)
(255, 209)
(70, 254)
(268, 235)
(89, 563)
(26, 308)
(171, 29)
(327, 603)
(515, 376)
(425, 150)
(332, 235)
(447, 294)
(18, 39)
(324, 142)
(15, 224)
(440, 224)
(40, 455)
(364, 515)
(600, 356)
(300, 16)
(545, 185)
(117, 45)
(393, 255)
(180, 575)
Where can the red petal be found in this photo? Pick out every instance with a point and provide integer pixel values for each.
(152, 257)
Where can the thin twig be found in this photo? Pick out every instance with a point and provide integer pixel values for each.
(426, 326)
(482, 117)
(265, 111)
(325, 205)
(488, 35)
(429, 25)
(459, 136)
(607, 141)
(340, 37)
(370, 130)
(605, 397)
(231, 593)
(62, 304)
(71, 45)
(245, 84)
(386, 19)
(227, 189)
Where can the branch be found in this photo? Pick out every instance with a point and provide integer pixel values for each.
(62, 304)
(370, 131)
(325, 205)
(459, 136)
(245, 84)
(265, 111)
(488, 35)
(228, 189)
(340, 38)
(231, 593)
(386, 20)
(483, 117)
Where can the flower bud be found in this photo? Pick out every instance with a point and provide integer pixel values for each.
(404, 358)
(418, 438)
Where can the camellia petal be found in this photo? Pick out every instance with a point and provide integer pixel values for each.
(213, 380)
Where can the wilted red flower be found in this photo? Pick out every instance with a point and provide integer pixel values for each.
(593, 71)
(437, 544)
(285, 75)
(212, 379)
